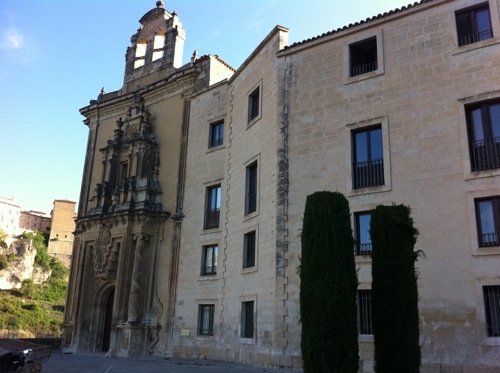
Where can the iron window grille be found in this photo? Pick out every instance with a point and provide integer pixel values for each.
(473, 25)
(363, 57)
(247, 319)
(363, 239)
(209, 260)
(364, 303)
(488, 221)
(206, 319)
(216, 134)
(212, 210)
(491, 296)
(368, 162)
(484, 135)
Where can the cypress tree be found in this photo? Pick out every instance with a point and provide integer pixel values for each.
(394, 290)
(328, 286)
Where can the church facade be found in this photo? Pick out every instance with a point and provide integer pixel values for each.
(187, 240)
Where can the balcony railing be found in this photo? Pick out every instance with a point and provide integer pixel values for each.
(368, 174)
(363, 248)
(485, 154)
(212, 218)
(363, 69)
(489, 239)
(474, 38)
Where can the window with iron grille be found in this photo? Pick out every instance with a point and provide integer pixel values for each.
(212, 208)
(216, 134)
(254, 104)
(364, 303)
(484, 135)
(473, 24)
(247, 320)
(368, 159)
(488, 221)
(363, 239)
(492, 310)
(251, 188)
(209, 260)
(363, 56)
(249, 249)
(206, 319)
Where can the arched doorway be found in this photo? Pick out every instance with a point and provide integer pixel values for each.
(108, 317)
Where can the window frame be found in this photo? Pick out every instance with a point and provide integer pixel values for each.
(202, 321)
(471, 33)
(215, 137)
(248, 319)
(249, 249)
(359, 51)
(360, 249)
(212, 215)
(491, 293)
(495, 241)
(375, 167)
(254, 104)
(214, 251)
(484, 153)
(251, 187)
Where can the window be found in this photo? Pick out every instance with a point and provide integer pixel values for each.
(253, 104)
(123, 172)
(363, 239)
(158, 45)
(484, 135)
(251, 188)
(140, 53)
(247, 321)
(368, 164)
(473, 25)
(212, 210)
(492, 310)
(363, 56)
(249, 249)
(488, 221)
(216, 134)
(364, 303)
(209, 260)
(206, 319)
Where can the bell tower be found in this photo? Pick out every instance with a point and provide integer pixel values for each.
(158, 44)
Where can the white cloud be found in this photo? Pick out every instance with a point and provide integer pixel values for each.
(12, 39)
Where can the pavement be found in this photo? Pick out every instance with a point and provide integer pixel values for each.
(60, 362)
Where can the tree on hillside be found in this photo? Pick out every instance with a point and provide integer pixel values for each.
(328, 285)
(394, 290)
(3, 238)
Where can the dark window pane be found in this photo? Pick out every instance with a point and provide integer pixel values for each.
(364, 242)
(492, 310)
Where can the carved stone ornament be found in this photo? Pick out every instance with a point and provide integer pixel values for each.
(101, 247)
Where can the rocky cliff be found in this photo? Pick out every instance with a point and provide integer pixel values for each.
(17, 264)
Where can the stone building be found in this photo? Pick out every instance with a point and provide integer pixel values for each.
(62, 219)
(9, 216)
(188, 232)
(31, 220)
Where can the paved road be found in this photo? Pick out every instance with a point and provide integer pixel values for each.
(98, 363)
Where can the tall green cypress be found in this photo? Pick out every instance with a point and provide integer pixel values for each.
(328, 286)
(394, 290)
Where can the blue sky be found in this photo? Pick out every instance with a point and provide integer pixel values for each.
(56, 55)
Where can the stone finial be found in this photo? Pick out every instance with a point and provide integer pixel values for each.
(195, 56)
(160, 4)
